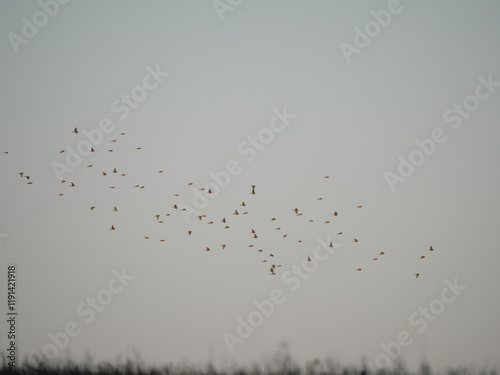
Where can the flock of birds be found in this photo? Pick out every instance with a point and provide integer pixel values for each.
(203, 218)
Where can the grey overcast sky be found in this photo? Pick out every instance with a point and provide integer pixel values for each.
(357, 86)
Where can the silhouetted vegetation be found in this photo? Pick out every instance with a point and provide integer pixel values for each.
(281, 364)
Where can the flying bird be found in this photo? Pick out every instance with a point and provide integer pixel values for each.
(75, 130)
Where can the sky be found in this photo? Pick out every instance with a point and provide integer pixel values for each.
(395, 101)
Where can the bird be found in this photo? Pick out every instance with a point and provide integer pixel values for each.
(273, 219)
(62, 151)
(416, 275)
(243, 204)
(60, 195)
(359, 269)
(359, 207)
(223, 220)
(89, 166)
(72, 184)
(309, 259)
(21, 174)
(92, 149)
(209, 191)
(157, 217)
(114, 171)
(113, 141)
(296, 211)
(255, 236)
(335, 213)
(112, 227)
(207, 249)
(319, 199)
(110, 150)
(422, 256)
(223, 246)
(330, 244)
(115, 209)
(381, 253)
(355, 240)
(235, 212)
(189, 232)
(138, 148)
(75, 130)
(326, 177)
(339, 233)
(92, 208)
(122, 133)
(160, 171)
(327, 222)
(375, 259)
(6, 152)
(146, 238)
(253, 190)
(431, 249)
(104, 174)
